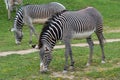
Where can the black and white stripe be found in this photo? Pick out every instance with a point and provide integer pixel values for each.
(18, 21)
(52, 30)
(75, 24)
(30, 14)
(44, 10)
(72, 24)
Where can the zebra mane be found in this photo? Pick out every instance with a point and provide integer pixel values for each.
(21, 7)
(47, 23)
(54, 16)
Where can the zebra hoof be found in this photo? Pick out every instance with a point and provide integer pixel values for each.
(18, 43)
(103, 62)
(64, 71)
(43, 71)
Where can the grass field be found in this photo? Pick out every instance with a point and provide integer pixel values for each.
(108, 8)
(26, 67)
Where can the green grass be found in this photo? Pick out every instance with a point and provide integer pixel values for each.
(26, 67)
(108, 8)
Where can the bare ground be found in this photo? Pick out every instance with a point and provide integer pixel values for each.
(113, 31)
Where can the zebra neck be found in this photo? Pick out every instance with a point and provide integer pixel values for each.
(50, 43)
(18, 22)
(18, 25)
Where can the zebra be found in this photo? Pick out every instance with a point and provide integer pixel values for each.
(65, 26)
(10, 4)
(30, 14)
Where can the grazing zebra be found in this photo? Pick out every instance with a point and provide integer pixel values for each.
(65, 26)
(10, 4)
(30, 14)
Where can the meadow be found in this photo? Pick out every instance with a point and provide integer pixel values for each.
(26, 67)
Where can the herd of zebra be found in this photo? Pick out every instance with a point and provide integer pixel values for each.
(59, 24)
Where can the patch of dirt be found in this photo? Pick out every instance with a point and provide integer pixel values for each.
(113, 31)
(56, 47)
(100, 69)
(18, 52)
(62, 75)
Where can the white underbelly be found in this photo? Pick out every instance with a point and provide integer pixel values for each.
(82, 35)
(42, 21)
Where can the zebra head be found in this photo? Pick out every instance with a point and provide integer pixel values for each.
(18, 35)
(46, 57)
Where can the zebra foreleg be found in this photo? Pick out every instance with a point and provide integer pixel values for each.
(68, 51)
(71, 58)
(66, 63)
(91, 46)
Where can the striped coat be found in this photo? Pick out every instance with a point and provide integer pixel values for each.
(31, 14)
(65, 26)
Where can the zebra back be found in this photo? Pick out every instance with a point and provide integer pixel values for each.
(97, 18)
(65, 26)
(43, 10)
(71, 24)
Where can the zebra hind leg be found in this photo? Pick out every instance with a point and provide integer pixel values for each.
(91, 46)
(101, 41)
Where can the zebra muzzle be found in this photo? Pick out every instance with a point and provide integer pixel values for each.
(43, 69)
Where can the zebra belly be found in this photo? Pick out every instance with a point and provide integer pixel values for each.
(42, 21)
(82, 34)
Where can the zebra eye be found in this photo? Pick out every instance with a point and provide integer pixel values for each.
(45, 56)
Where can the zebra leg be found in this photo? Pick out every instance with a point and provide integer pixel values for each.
(31, 33)
(101, 41)
(32, 30)
(68, 51)
(71, 58)
(8, 8)
(91, 46)
(9, 14)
